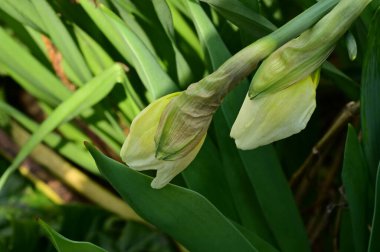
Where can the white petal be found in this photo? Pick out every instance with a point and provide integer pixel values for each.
(276, 116)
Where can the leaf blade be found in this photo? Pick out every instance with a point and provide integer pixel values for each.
(176, 205)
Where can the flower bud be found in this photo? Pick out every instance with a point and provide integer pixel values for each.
(263, 120)
(300, 57)
(139, 149)
(186, 119)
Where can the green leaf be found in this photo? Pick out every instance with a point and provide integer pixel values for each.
(374, 242)
(66, 148)
(355, 180)
(61, 38)
(207, 167)
(346, 242)
(184, 214)
(250, 212)
(29, 72)
(245, 201)
(260, 244)
(62, 244)
(96, 57)
(184, 73)
(132, 48)
(370, 102)
(84, 98)
(261, 165)
(24, 12)
(244, 17)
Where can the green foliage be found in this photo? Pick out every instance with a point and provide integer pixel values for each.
(67, 57)
(62, 244)
(177, 205)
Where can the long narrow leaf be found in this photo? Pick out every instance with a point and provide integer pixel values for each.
(131, 47)
(374, 242)
(355, 180)
(370, 102)
(242, 16)
(173, 209)
(24, 12)
(184, 73)
(68, 149)
(246, 203)
(84, 98)
(62, 40)
(264, 171)
(29, 72)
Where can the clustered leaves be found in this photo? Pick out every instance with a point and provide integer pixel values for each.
(167, 83)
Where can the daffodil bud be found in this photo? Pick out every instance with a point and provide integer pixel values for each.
(167, 135)
(139, 149)
(277, 115)
(299, 57)
(186, 119)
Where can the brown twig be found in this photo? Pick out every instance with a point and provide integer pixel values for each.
(310, 174)
(345, 116)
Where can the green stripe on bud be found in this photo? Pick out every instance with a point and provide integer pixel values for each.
(300, 57)
(186, 119)
(139, 149)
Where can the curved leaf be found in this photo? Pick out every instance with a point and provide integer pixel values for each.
(186, 215)
(62, 244)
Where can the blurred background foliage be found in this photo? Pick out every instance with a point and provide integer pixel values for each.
(75, 71)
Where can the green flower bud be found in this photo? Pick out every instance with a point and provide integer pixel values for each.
(300, 57)
(186, 119)
(263, 120)
(139, 149)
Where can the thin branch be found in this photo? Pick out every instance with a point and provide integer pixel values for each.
(350, 110)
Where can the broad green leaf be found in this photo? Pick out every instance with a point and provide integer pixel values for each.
(61, 38)
(62, 244)
(374, 242)
(29, 72)
(260, 244)
(346, 241)
(84, 98)
(275, 198)
(355, 180)
(252, 4)
(132, 48)
(206, 167)
(370, 102)
(246, 205)
(251, 214)
(184, 214)
(261, 165)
